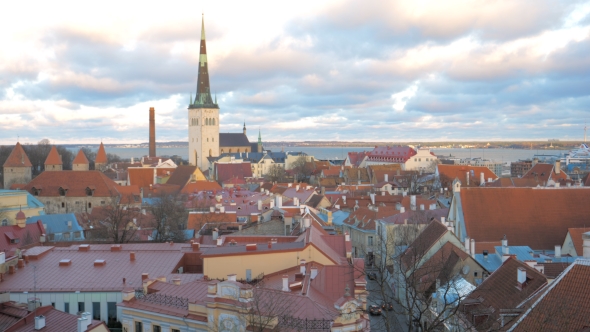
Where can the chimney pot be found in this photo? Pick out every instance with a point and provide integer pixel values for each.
(231, 277)
(521, 275)
(144, 276)
(131, 256)
(286, 283)
(176, 281)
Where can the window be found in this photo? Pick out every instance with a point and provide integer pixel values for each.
(66, 236)
(53, 304)
(475, 273)
(207, 139)
(156, 328)
(77, 235)
(96, 310)
(67, 307)
(370, 242)
(112, 311)
(89, 205)
(80, 306)
(213, 139)
(50, 237)
(138, 327)
(175, 330)
(63, 204)
(5, 222)
(102, 202)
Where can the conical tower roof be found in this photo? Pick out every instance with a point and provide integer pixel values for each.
(18, 158)
(101, 155)
(53, 157)
(81, 158)
(203, 97)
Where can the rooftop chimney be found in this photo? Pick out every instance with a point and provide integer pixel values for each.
(586, 245)
(372, 195)
(215, 234)
(145, 276)
(219, 241)
(504, 241)
(231, 277)
(413, 202)
(132, 256)
(39, 322)
(421, 207)
(314, 272)
(467, 244)
(386, 178)
(152, 152)
(472, 250)
(259, 205)
(346, 237)
(521, 275)
(285, 283)
(84, 322)
(482, 179)
(466, 178)
(196, 246)
(176, 281)
(302, 267)
(557, 166)
(402, 209)
(557, 251)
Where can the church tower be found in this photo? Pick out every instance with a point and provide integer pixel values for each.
(203, 116)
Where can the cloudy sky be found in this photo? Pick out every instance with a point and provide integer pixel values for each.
(370, 70)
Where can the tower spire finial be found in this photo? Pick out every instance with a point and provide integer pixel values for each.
(203, 97)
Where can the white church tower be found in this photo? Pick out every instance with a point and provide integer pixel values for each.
(203, 116)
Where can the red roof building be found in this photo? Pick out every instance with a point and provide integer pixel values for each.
(80, 163)
(17, 167)
(53, 161)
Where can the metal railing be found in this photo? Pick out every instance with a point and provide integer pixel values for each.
(167, 300)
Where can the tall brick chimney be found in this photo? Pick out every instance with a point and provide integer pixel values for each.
(152, 152)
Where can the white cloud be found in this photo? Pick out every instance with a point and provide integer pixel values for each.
(401, 98)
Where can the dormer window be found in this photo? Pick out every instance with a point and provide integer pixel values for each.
(89, 191)
(62, 191)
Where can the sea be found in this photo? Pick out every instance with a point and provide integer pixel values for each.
(335, 153)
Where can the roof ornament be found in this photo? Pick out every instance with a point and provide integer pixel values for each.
(346, 291)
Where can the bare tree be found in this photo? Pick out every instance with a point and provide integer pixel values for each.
(303, 169)
(414, 287)
(170, 218)
(267, 308)
(116, 222)
(275, 173)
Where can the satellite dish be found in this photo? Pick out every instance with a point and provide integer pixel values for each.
(465, 269)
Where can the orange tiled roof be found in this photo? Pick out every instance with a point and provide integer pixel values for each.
(500, 291)
(101, 155)
(141, 176)
(53, 157)
(76, 182)
(80, 158)
(448, 173)
(545, 172)
(197, 220)
(534, 217)
(576, 235)
(194, 187)
(18, 158)
(129, 194)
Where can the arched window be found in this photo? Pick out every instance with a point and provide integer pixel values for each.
(229, 150)
(213, 121)
(206, 122)
(196, 122)
(5, 222)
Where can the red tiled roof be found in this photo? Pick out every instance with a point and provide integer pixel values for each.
(76, 183)
(392, 153)
(53, 157)
(440, 265)
(576, 235)
(366, 216)
(141, 176)
(101, 155)
(224, 172)
(564, 305)
(197, 220)
(55, 321)
(534, 217)
(545, 172)
(356, 158)
(129, 194)
(181, 175)
(80, 158)
(500, 291)
(195, 187)
(448, 173)
(18, 158)
(28, 235)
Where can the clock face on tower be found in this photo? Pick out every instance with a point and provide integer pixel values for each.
(228, 323)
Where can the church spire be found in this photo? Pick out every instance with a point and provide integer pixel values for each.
(244, 127)
(203, 97)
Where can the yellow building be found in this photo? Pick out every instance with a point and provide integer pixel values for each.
(13, 201)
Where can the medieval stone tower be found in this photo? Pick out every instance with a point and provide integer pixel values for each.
(203, 116)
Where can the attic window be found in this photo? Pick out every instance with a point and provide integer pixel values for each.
(89, 191)
(5, 222)
(62, 191)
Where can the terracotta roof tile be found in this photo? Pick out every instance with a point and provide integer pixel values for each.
(76, 181)
(544, 172)
(30, 234)
(448, 173)
(225, 171)
(18, 158)
(141, 176)
(564, 305)
(534, 217)
(53, 157)
(101, 155)
(500, 291)
(182, 175)
(80, 158)
(195, 187)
